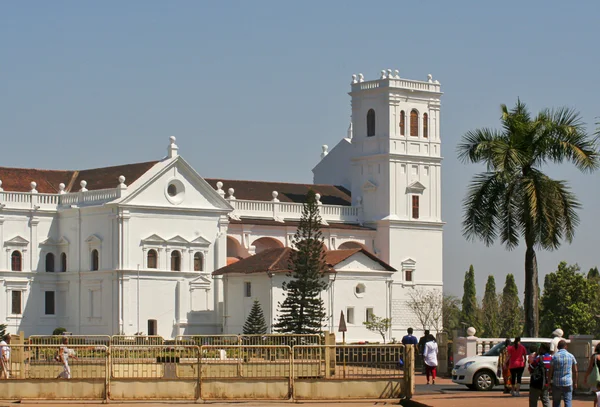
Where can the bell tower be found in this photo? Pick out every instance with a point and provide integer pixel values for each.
(391, 161)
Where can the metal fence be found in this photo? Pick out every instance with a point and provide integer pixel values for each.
(154, 361)
(200, 340)
(72, 339)
(43, 362)
(252, 361)
(136, 340)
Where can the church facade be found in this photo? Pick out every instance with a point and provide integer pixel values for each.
(139, 247)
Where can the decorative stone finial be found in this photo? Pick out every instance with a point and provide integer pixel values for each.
(274, 194)
(220, 189)
(1, 185)
(471, 331)
(318, 198)
(33, 184)
(61, 188)
(382, 74)
(436, 82)
(396, 74)
(430, 78)
(172, 149)
(230, 191)
(354, 80)
(83, 186)
(122, 182)
(361, 77)
(324, 153)
(359, 201)
(389, 74)
(350, 132)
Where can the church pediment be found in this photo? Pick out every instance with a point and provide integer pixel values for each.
(200, 241)
(93, 239)
(63, 241)
(415, 188)
(409, 264)
(153, 239)
(17, 241)
(48, 242)
(369, 186)
(200, 283)
(178, 240)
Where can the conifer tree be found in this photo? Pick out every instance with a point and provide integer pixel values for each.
(303, 310)
(491, 310)
(510, 309)
(469, 299)
(255, 323)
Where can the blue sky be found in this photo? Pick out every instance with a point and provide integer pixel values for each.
(253, 89)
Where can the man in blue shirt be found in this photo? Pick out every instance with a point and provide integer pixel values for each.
(409, 339)
(563, 372)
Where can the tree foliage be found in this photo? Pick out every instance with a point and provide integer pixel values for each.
(513, 199)
(59, 331)
(568, 302)
(510, 309)
(2, 331)
(303, 310)
(379, 325)
(427, 306)
(255, 323)
(451, 314)
(469, 300)
(490, 310)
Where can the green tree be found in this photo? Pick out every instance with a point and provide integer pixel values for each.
(469, 300)
(2, 331)
(568, 302)
(491, 310)
(379, 325)
(255, 323)
(451, 314)
(510, 309)
(513, 199)
(593, 274)
(58, 331)
(303, 310)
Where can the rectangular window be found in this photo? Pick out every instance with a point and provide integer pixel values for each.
(415, 207)
(350, 315)
(49, 301)
(152, 327)
(408, 275)
(16, 302)
(247, 289)
(369, 315)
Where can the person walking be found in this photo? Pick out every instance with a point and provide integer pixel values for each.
(503, 370)
(5, 357)
(421, 347)
(63, 357)
(539, 378)
(409, 339)
(594, 359)
(517, 357)
(557, 336)
(430, 357)
(563, 372)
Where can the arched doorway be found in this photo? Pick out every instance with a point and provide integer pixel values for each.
(235, 249)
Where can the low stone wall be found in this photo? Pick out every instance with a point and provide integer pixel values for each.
(53, 389)
(356, 389)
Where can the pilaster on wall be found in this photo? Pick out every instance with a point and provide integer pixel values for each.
(1, 240)
(33, 223)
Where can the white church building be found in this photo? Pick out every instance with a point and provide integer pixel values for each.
(155, 248)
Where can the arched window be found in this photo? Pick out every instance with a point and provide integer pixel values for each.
(198, 262)
(94, 260)
(425, 133)
(16, 263)
(175, 260)
(402, 122)
(152, 259)
(414, 123)
(50, 262)
(63, 262)
(370, 123)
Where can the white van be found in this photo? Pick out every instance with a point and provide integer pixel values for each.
(482, 373)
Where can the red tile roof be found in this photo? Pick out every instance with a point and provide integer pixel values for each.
(276, 261)
(19, 179)
(269, 222)
(262, 190)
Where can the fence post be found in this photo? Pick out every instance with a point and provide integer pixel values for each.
(22, 355)
(199, 365)
(409, 371)
(442, 340)
(291, 385)
(107, 376)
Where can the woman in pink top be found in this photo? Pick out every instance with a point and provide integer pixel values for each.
(517, 358)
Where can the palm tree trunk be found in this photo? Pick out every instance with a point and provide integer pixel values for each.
(530, 300)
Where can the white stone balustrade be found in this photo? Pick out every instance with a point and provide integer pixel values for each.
(397, 83)
(282, 211)
(35, 200)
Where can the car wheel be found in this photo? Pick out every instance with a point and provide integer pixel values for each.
(484, 380)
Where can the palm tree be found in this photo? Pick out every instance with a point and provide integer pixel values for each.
(513, 199)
